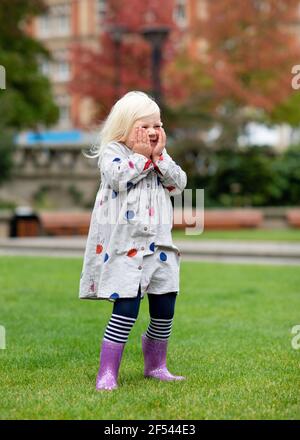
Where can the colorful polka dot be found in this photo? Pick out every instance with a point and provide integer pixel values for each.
(129, 185)
(114, 194)
(116, 159)
(163, 256)
(131, 164)
(129, 214)
(151, 212)
(158, 180)
(152, 246)
(106, 257)
(99, 248)
(170, 188)
(92, 287)
(114, 295)
(132, 252)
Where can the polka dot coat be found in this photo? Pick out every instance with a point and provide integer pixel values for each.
(131, 220)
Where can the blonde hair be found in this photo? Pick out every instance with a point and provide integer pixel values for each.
(124, 113)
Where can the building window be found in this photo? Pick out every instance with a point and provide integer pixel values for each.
(61, 19)
(45, 67)
(44, 26)
(180, 14)
(63, 25)
(57, 70)
(62, 71)
(63, 103)
(56, 22)
(64, 115)
(262, 6)
(61, 68)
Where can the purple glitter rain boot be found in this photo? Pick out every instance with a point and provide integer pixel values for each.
(155, 354)
(110, 359)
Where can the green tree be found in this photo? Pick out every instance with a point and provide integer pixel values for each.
(241, 73)
(27, 101)
(6, 148)
(287, 171)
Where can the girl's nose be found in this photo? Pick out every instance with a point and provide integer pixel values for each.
(151, 131)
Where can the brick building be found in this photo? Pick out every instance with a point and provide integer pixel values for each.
(71, 21)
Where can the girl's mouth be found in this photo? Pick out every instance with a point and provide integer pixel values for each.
(153, 142)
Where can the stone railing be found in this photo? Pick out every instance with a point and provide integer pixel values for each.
(32, 161)
(54, 177)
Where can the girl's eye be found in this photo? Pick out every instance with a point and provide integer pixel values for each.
(154, 126)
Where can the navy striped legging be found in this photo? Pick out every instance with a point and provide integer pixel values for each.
(126, 310)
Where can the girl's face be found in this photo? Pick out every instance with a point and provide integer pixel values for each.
(152, 124)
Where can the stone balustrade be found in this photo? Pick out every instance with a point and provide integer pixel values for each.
(54, 177)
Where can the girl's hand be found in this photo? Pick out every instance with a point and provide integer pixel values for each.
(140, 142)
(161, 143)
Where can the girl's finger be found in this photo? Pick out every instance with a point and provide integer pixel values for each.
(145, 135)
(141, 135)
(160, 137)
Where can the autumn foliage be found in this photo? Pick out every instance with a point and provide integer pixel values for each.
(252, 46)
(241, 52)
(97, 71)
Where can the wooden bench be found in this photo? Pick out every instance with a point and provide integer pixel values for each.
(65, 223)
(293, 217)
(221, 219)
(77, 223)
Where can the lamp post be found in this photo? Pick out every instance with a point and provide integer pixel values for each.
(156, 36)
(117, 33)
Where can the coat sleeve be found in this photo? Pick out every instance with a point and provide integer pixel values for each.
(171, 175)
(122, 172)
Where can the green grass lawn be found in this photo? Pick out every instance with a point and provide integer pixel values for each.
(242, 234)
(231, 338)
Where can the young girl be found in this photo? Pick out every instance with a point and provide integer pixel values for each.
(129, 249)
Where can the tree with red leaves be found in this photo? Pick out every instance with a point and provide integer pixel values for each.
(251, 48)
(122, 62)
(243, 72)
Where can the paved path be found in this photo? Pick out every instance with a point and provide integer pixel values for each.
(191, 250)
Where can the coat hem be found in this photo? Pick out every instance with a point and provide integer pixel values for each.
(128, 297)
(95, 298)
